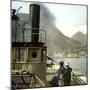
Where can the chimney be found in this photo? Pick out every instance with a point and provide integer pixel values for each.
(34, 17)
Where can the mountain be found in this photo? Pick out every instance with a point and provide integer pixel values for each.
(57, 42)
(80, 37)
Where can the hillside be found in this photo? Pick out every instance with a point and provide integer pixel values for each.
(79, 36)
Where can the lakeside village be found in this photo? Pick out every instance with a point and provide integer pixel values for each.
(78, 53)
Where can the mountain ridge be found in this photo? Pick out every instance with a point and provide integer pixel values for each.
(81, 37)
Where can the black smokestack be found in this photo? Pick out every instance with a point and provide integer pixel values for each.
(35, 20)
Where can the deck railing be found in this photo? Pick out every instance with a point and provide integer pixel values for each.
(25, 35)
(76, 80)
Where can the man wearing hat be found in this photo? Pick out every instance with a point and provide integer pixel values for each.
(61, 73)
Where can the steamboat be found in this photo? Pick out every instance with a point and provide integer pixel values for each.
(29, 54)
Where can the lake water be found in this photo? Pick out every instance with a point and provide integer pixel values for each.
(78, 65)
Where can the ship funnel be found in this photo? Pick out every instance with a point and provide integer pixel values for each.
(34, 17)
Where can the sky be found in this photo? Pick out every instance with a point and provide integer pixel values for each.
(69, 19)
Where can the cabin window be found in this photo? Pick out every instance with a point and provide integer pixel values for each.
(20, 54)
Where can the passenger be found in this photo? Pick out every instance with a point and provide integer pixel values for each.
(61, 73)
(58, 78)
(62, 77)
(68, 75)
